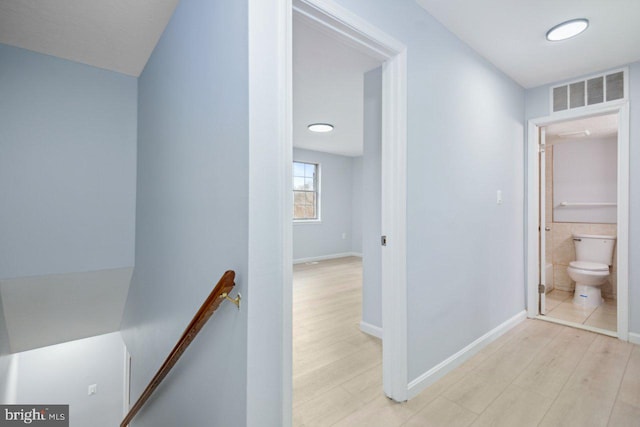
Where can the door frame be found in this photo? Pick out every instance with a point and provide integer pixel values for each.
(364, 36)
(533, 194)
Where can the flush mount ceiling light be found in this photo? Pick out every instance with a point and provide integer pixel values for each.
(567, 29)
(320, 127)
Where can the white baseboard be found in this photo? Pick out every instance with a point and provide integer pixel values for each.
(370, 329)
(446, 366)
(634, 338)
(326, 257)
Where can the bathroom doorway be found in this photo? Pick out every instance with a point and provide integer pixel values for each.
(578, 196)
(578, 201)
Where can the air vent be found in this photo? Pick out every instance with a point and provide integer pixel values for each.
(594, 90)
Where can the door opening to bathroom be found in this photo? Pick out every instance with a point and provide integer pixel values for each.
(581, 217)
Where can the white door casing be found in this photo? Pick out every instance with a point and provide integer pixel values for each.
(369, 39)
(533, 198)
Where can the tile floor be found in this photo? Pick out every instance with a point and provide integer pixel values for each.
(537, 374)
(560, 306)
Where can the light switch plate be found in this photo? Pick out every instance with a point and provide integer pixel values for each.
(93, 389)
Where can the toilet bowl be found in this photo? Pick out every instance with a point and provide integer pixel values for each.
(589, 277)
(594, 255)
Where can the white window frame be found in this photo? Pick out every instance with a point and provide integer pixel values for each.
(318, 188)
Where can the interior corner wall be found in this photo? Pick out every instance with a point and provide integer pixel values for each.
(192, 216)
(5, 359)
(372, 200)
(357, 210)
(537, 105)
(332, 234)
(67, 166)
(61, 374)
(465, 141)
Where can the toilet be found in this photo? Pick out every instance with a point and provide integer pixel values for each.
(590, 270)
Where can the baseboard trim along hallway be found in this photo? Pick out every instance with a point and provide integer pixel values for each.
(368, 328)
(449, 364)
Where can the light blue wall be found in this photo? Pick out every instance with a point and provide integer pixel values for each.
(537, 105)
(67, 166)
(372, 200)
(465, 141)
(357, 210)
(316, 239)
(192, 216)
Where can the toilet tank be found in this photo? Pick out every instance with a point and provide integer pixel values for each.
(594, 248)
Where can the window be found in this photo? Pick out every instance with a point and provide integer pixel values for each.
(306, 191)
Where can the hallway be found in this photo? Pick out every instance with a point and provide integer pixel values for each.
(537, 374)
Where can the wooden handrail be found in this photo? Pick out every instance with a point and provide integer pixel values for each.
(219, 293)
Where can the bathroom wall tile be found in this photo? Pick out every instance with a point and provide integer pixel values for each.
(603, 229)
(580, 228)
(606, 288)
(561, 279)
(561, 231)
(563, 250)
(549, 247)
(610, 289)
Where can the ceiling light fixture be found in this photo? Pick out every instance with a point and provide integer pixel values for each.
(585, 132)
(567, 29)
(320, 127)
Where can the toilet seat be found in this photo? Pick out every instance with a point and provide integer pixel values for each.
(589, 266)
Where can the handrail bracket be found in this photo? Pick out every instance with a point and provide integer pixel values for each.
(235, 300)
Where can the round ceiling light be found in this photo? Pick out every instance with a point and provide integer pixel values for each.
(320, 127)
(567, 29)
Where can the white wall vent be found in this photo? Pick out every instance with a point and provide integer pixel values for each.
(600, 89)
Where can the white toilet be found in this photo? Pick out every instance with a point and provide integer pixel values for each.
(594, 255)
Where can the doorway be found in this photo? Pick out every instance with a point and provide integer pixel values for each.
(569, 208)
(341, 23)
(336, 225)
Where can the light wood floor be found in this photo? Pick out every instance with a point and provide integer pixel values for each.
(537, 374)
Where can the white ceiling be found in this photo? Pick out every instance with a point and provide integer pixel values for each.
(46, 310)
(327, 88)
(598, 127)
(511, 35)
(117, 35)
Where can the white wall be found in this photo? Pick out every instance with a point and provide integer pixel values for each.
(333, 234)
(537, 105)
(62, 373)
(585, 170)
